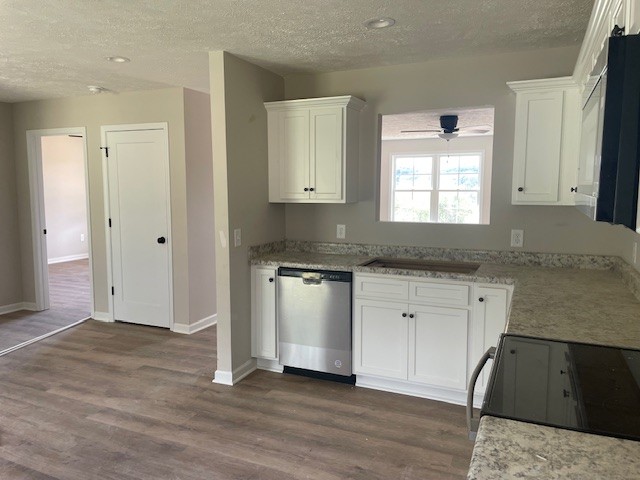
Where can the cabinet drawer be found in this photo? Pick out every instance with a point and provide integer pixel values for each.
(439, 293)
(378, 287)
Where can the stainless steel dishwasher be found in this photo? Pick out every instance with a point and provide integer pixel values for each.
(314, 320)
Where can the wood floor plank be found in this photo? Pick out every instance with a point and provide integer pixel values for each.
(69, 299)
(118, 401)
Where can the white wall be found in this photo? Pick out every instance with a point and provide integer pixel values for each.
(200, 210)
(65, 199)
(239, 132)
(441, 84)
(10, 267)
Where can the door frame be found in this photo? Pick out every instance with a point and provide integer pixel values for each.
(38, 217)
(104, 129)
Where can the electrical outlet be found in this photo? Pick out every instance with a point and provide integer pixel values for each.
(635, 253)
(341, 231)
(82, 238)
(237, 237)
(517, 238)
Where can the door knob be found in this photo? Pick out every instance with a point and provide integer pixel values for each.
(312, 189)
(481, 299)
(404, 315)
(162, 240)
(520, 189)
(411, 315)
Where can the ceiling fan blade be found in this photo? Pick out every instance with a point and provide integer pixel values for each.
(420, 131)
(467, 127)
(477, 130)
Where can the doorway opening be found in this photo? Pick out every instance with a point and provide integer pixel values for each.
(60, 220)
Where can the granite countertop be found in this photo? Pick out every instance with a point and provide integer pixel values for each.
(571, 298)
(508, 449)
(550, 302)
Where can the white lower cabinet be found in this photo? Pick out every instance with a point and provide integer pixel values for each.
(264, 339)
(438, 346)
(408, 339)
(380, 332)
(489, 319)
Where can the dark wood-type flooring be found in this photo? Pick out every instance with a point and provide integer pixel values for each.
(69, 300)
(120, 401)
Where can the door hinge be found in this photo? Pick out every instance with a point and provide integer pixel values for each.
(106, 151)
(109, 223)
(113, 291)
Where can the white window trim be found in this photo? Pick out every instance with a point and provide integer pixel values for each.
(435, 172)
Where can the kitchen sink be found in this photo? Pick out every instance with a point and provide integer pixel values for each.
(417, 264)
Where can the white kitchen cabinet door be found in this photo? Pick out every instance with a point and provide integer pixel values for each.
(633, 16)
(438, 348)
(314, 150)
(326, 166)
(537, 146)
(264, 339)
(546, 141)
(293, 145)
(489, 321)
(380, 333)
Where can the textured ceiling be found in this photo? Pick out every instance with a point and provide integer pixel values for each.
(56, 48)
(392, 125)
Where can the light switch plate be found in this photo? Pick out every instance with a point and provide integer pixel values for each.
(517, 238)
(237, 237)
(341, 231)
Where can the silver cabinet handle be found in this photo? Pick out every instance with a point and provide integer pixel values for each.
(472, 423)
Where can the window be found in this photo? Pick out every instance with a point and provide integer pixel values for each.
(437, 188)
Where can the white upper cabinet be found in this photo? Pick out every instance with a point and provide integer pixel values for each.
(546, 141)
(313, 150)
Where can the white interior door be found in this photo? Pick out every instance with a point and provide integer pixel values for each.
(138, 173)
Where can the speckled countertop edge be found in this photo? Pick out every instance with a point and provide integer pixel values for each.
(508, 449)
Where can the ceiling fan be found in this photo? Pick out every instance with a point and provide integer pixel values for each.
(449, 128)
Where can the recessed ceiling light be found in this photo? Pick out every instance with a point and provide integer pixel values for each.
(380, 23)
(118, 59)
(95, 89)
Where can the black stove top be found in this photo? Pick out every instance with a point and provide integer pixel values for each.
(577, 386)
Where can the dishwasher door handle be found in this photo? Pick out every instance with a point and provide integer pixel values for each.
(472, 423)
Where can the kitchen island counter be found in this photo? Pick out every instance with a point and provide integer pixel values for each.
(508, 449)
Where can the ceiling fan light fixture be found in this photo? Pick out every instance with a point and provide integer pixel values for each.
(118, 59)
(96, 89)
(376, 23)
(448, 136)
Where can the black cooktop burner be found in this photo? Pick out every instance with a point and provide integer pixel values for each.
(582, 387)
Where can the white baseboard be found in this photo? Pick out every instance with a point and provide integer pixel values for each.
(270, 365)
(68, 258)
(101, 316)
(13, 307)
(195, 327)
(31, 306)
(16, 307)
(441, 394)
(225, 377)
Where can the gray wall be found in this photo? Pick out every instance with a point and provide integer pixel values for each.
(164, 105)
(440, 84)
(239, 127)
(200, 217)
(10, 267)
(65, 199)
